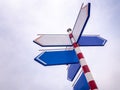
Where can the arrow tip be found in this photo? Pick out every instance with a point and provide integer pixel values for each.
(37, 40)
(39, 60)
(104, 40)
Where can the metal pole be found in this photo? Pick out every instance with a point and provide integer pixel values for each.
(83, 63)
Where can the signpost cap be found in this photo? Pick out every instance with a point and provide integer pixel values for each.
(69, 29)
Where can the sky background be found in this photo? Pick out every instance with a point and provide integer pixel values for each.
(22, 20)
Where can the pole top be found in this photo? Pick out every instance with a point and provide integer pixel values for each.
(69, 29)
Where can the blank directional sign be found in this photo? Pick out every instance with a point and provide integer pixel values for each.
(72, 71)
(57, 58)
(81, 21)
(81, 83)
(52, 40)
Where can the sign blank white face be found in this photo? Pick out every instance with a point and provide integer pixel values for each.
(53, 40)
(81, 21)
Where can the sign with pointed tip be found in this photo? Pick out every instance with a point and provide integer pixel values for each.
(57, 58)
(81, 21)
(52, 40)
(81, 83)
(92, 40)
(72, 71)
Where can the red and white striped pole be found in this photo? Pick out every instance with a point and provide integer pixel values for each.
(83, 63)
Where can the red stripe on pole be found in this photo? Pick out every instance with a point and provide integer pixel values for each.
(86, 69)
(92, 85)
(70, 35)
(80, 55)
(75, 45)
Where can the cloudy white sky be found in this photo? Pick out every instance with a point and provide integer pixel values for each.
(22, 20)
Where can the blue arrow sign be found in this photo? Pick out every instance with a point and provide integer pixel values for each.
(72, 71)
(81, 83)
(57, 58)
(92, 41)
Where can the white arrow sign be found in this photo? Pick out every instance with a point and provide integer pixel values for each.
(81, 21)
(53, 40)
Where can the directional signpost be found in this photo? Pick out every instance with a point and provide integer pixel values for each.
(73, 57)
(82, 62)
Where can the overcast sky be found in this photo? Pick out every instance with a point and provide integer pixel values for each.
(22, 20)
